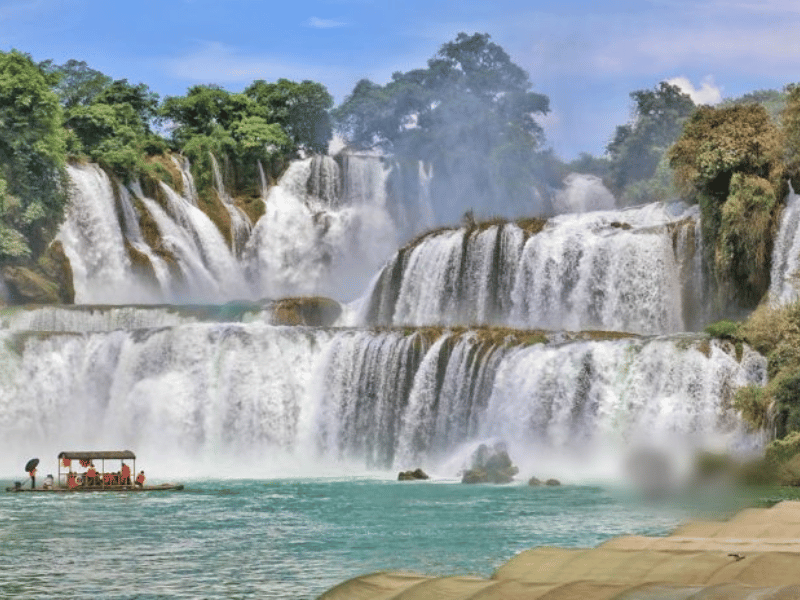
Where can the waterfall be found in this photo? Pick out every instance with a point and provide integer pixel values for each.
(383, 399)
(583, 193)
(94, 242)
(613, 270)
(240, 223)
(306, 244)
(786, 254)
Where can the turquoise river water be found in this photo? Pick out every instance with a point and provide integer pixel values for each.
(291, 538)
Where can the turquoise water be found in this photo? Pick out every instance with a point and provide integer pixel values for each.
(291, 539)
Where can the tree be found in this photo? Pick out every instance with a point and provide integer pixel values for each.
(77, 84)
(637, 147)
(32, 155)
(301, 109)
(730, 160)
(140, 98)
(470, 112)
(791, 133)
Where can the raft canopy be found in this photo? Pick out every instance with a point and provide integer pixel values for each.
(99, 455)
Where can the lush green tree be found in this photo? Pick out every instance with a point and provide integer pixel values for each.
(791, 132)
(140, 98)
(638, 146)
(32, 155)
(202, 109)
(77, 83)
(470, 113)
(301, 109)
(730, 160)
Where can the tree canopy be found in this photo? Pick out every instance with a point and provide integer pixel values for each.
(730, 160)
(470, 113)
(638, 146)
(32, 156)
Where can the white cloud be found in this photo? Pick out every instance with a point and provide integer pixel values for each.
(708, 92)
(318, 23)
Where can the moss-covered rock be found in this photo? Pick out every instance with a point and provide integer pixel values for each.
(56, 266)
(312, 311)
(780, 451)
(26, 286)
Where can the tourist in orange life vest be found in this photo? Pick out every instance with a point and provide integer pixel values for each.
(72, 480)
(91, 475)
(125, 475)
(32, 473)
(140, 479)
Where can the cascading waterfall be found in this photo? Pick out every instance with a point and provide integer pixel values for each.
(94, 242)
(786, 254)
(306, 244)
(383, 399)
(613, 270)
(240, 223)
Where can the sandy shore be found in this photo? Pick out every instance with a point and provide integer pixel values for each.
(754, 556)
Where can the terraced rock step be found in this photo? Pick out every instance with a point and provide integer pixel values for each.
(754, 555)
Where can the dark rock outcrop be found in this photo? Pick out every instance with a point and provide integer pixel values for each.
(416, 474)
(552, 482)
(534, 481)
(490, 465)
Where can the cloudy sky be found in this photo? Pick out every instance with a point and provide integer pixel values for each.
(587, 56)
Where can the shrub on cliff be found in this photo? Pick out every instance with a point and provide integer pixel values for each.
(730, 160)
(774, 332)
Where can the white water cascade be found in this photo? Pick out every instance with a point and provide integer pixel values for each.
(613, 270)
(785, 270)
(195, 391)
(240, 223)
(312, 241)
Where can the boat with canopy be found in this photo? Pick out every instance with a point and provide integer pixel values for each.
(94, 479)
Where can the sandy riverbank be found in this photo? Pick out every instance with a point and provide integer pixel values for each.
(755, 555)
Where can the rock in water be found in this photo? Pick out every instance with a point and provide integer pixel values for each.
(412, 475)
(490, 465)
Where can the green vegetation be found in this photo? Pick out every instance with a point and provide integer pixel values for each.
(730, 160)
(637, 171)
(32, 156)
(470, 114)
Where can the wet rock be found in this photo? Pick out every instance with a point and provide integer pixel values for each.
(314, 311)
(25, 286)
(534, 481)
(490, 465)
(416, 474)
(552, 482)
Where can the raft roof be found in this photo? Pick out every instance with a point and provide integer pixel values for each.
(98, 454)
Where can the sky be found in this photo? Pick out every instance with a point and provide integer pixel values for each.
(585, 55)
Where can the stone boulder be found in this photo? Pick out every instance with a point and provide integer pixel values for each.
(314, 311)
(416, 474)
(490, 465)
(26, 286)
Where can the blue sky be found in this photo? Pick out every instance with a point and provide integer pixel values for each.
(587, 56)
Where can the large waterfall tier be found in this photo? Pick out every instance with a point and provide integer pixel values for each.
(382, 399)
(327, 229)
(637, 270)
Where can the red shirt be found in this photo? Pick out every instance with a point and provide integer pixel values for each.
(125, 473)
(140, 478)
(91, 472)
(71, 482)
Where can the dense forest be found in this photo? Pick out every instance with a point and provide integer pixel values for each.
(471, 113)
